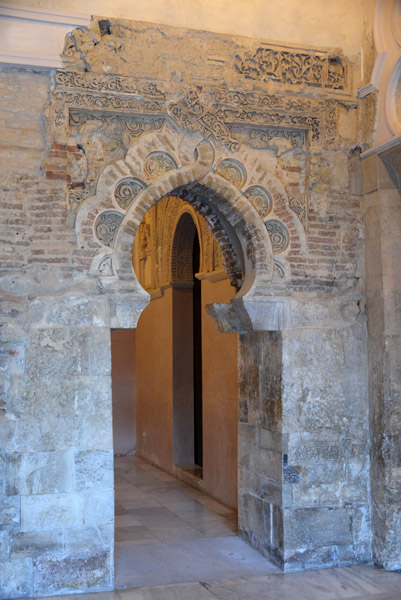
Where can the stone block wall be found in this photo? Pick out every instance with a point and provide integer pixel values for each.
(260, 457)
(326, 428)
(59, 499)
(379, 185)
(56, 506)
(304, 487)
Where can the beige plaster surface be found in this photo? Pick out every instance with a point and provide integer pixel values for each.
(155, 393)
(154, 388)
(123, 390)
(329, 24)
(220, 400)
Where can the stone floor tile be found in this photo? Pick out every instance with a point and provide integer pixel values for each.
(126, 520)
(324, 584)
(215, 528)
(94, 596)
(178, 535)
(135, 533)
(133, 503)
(185, 591)
(187, 561)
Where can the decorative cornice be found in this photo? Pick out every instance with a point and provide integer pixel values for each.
(386, 75)
(34, 37)
(278, 64)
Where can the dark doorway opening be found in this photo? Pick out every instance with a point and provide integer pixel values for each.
(197, 355)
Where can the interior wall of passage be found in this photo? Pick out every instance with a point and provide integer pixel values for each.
(123, 379)
(164, 368)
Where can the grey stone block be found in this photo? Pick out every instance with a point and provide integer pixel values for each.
(36, 543)
(10, 512)
(2, 473)
(94, 469)
(51, 511)
(71, 312)
(3, 542)
(39, 473)
(269, 464)
(317, 527)
(270, 440)
(99, 507)
(61, 413)
(89, 539)
(16, 577)
(82, 572)
(62, 351)
(252, 517)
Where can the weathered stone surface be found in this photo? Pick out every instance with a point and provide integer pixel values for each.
(257, 522)
(59, 413)
(77, 572)
(39, 473)
(93, 539)
(36, 543)
(3, 542)
(70, 312)
(69, 351)
(94, 470)
(99, 507)
(2, 474)
(326, 367)
(16, 577)
(50, 511)
(10, 507)
(317, 527)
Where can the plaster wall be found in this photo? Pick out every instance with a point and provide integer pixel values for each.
(336, 24)
(154, 381)
(220, 400)
(123, 352)
(162, 349)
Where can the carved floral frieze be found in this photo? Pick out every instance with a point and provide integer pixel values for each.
(295, 68)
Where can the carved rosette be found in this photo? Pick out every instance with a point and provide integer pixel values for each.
(106, 226)
(233, 171)
(157, 164)
(279, 235)
(260, 199)
(127, 190)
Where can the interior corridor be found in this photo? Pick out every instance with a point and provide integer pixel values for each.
(168, 532)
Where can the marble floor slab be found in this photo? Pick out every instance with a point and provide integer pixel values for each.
(154, 507)
(187, 561)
